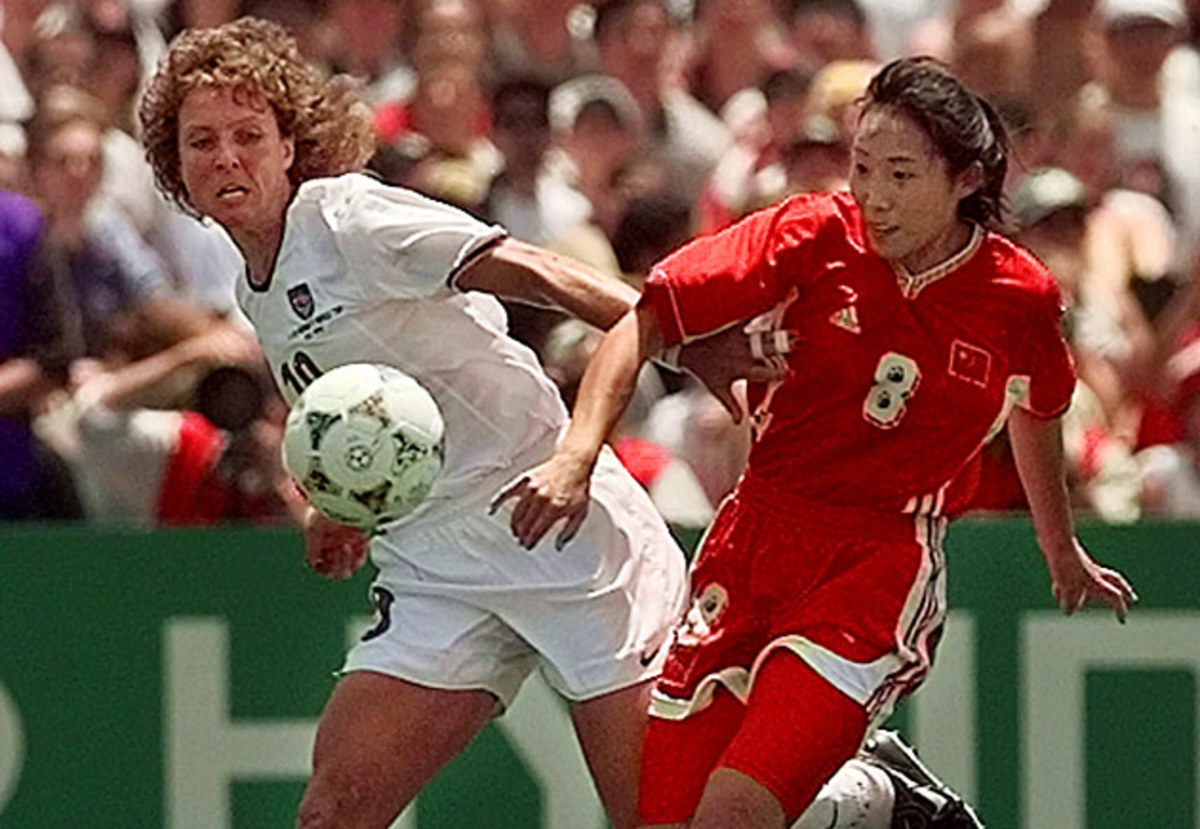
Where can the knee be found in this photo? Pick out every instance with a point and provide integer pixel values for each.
(321, 808)
(315, 814)
(332, 803)
(732, 798)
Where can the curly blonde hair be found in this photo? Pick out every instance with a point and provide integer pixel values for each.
(331, 126)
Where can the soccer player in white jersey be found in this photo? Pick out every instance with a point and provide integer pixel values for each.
(341, 268)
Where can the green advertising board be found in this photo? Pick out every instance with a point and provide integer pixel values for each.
(174, 679)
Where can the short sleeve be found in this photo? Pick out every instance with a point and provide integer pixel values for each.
(407, 245)
(736, 274)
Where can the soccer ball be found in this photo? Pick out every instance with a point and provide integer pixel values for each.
(365, 443)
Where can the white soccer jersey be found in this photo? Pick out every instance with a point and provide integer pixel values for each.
(363, 276)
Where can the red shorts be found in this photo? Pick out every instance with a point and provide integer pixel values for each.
(859, 597)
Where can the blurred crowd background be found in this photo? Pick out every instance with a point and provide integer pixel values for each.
(131, 392)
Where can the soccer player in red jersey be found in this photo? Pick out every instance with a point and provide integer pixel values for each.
(911, 332)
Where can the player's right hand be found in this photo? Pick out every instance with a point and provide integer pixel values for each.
(334, 550)
(555, 491)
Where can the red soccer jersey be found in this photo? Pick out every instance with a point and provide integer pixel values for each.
(897, 379)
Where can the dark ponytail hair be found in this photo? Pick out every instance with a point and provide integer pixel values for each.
(964, 128)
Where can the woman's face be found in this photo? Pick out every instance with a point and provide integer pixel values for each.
(68, 170)
(909, 201)
(233, 159)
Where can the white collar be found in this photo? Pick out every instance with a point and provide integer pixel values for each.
(912, 284)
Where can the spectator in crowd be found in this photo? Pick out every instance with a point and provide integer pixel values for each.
(147, 447)
(1165, 442)
(16, 41)
(817, 159)
(836, 91)
(529, 199)
(597, 130)
(436, 34)
(102, 281)
(365, 38)
(102, 56)
(829, 31)
(547, 39)
(1170, 463)
(636, 41)
(12, 156)
(446, 150)
(1131, 251)
(752, 174)
(66, 54)
(734, 45)
(437, 137)
(115, 68)
(1060, 55)
(1051, 207)
(992, 50)
(1155, 135)
(33, 485)
(939, 35)
(653, 220)
(449, 30)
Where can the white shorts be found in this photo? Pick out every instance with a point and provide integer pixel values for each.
(462, 605)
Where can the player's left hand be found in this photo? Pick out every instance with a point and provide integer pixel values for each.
(555, 491)
(733, 354)
(334, 550)
(1076, 579)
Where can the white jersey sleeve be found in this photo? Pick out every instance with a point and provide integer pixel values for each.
(409, 245)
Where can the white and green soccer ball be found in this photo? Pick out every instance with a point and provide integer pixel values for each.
(365, 443)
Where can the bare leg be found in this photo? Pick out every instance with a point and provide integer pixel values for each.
(735, 799)
(610, 730)
(797, 732)
(380, 740)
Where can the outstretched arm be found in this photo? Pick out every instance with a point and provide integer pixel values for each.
(1074, 577)
(519, 271)
(558, 489)
(527, 273)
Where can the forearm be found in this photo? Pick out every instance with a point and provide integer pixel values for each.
(157, 380)
(526, 273)
(609, 383)
(1038, 451)
(127, 387)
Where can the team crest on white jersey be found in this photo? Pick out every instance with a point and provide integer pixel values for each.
(301, 299)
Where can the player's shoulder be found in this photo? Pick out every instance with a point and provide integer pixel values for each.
(830, 216)
(364, 202)
(356, 204)
(835, 207)
(337, 194)
(1018, 270)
